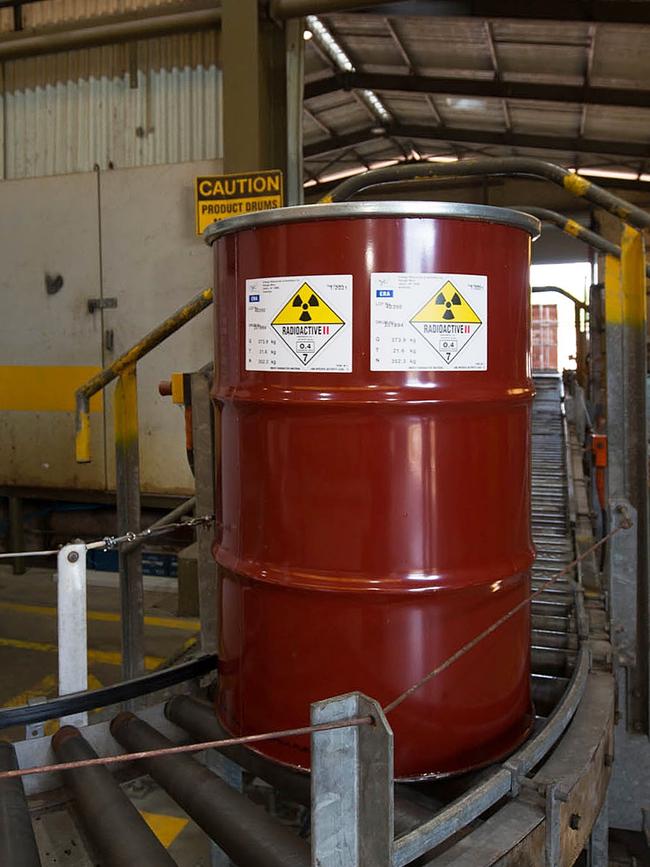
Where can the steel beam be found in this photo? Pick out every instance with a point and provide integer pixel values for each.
(146, 24)
(496, 88)
(253, 55)
(475, 136)
(618, 11)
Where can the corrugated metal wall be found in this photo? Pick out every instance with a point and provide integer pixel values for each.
(144, 103)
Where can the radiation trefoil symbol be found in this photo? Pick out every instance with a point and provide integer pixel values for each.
(306, 323)
(447, 322)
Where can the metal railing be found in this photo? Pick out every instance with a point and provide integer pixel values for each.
(626, 334)
(127, 468)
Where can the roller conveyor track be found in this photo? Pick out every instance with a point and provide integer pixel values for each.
(553, 636)
(554, 651)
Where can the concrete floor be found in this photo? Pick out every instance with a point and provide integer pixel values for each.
(28, 634)
(28, 666)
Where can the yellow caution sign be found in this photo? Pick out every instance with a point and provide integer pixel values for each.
(447, 305)
(447, 322)
(220, 196)
(306, 323)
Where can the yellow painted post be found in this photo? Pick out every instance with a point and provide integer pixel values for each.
(127, 473)
(626, 330)
(82, 436)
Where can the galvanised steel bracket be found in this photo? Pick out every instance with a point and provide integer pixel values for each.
(351, 785)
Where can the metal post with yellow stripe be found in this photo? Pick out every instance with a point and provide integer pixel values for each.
(626, 336)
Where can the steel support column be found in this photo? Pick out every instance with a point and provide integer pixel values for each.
(205, 453)
(626, 324)
(127, 472)
(294, 190)
(253, 53)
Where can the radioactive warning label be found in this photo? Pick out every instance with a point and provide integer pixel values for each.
(299, 324)
(428, 321)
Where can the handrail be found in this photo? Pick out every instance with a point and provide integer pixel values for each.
(126, 360)
(573, 228)
(484, 166)
(581, 347)
(578, 303)
(127, 469)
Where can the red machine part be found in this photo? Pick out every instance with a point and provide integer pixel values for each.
(599, 452)
(372, 522)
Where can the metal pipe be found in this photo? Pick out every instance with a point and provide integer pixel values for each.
(576, 301)
(112, 822)
(247, 834)
(197, 718)
(283, 9)
(17, 842)
(128, 360)
(485, 166)
(144, 26)
(573, 228)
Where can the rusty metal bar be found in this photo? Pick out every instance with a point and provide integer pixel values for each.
(485, 166)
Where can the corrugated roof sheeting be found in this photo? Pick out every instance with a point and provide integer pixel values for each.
(632, 124)
(67, 112)
(535, 51)
(547, 118)
(622, 56)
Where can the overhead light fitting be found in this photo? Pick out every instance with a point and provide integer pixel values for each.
(610, 173)
(337, 54)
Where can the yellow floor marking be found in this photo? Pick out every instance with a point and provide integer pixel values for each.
(104, 657)
(45, 687)
(166, 828)
(187, 625)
